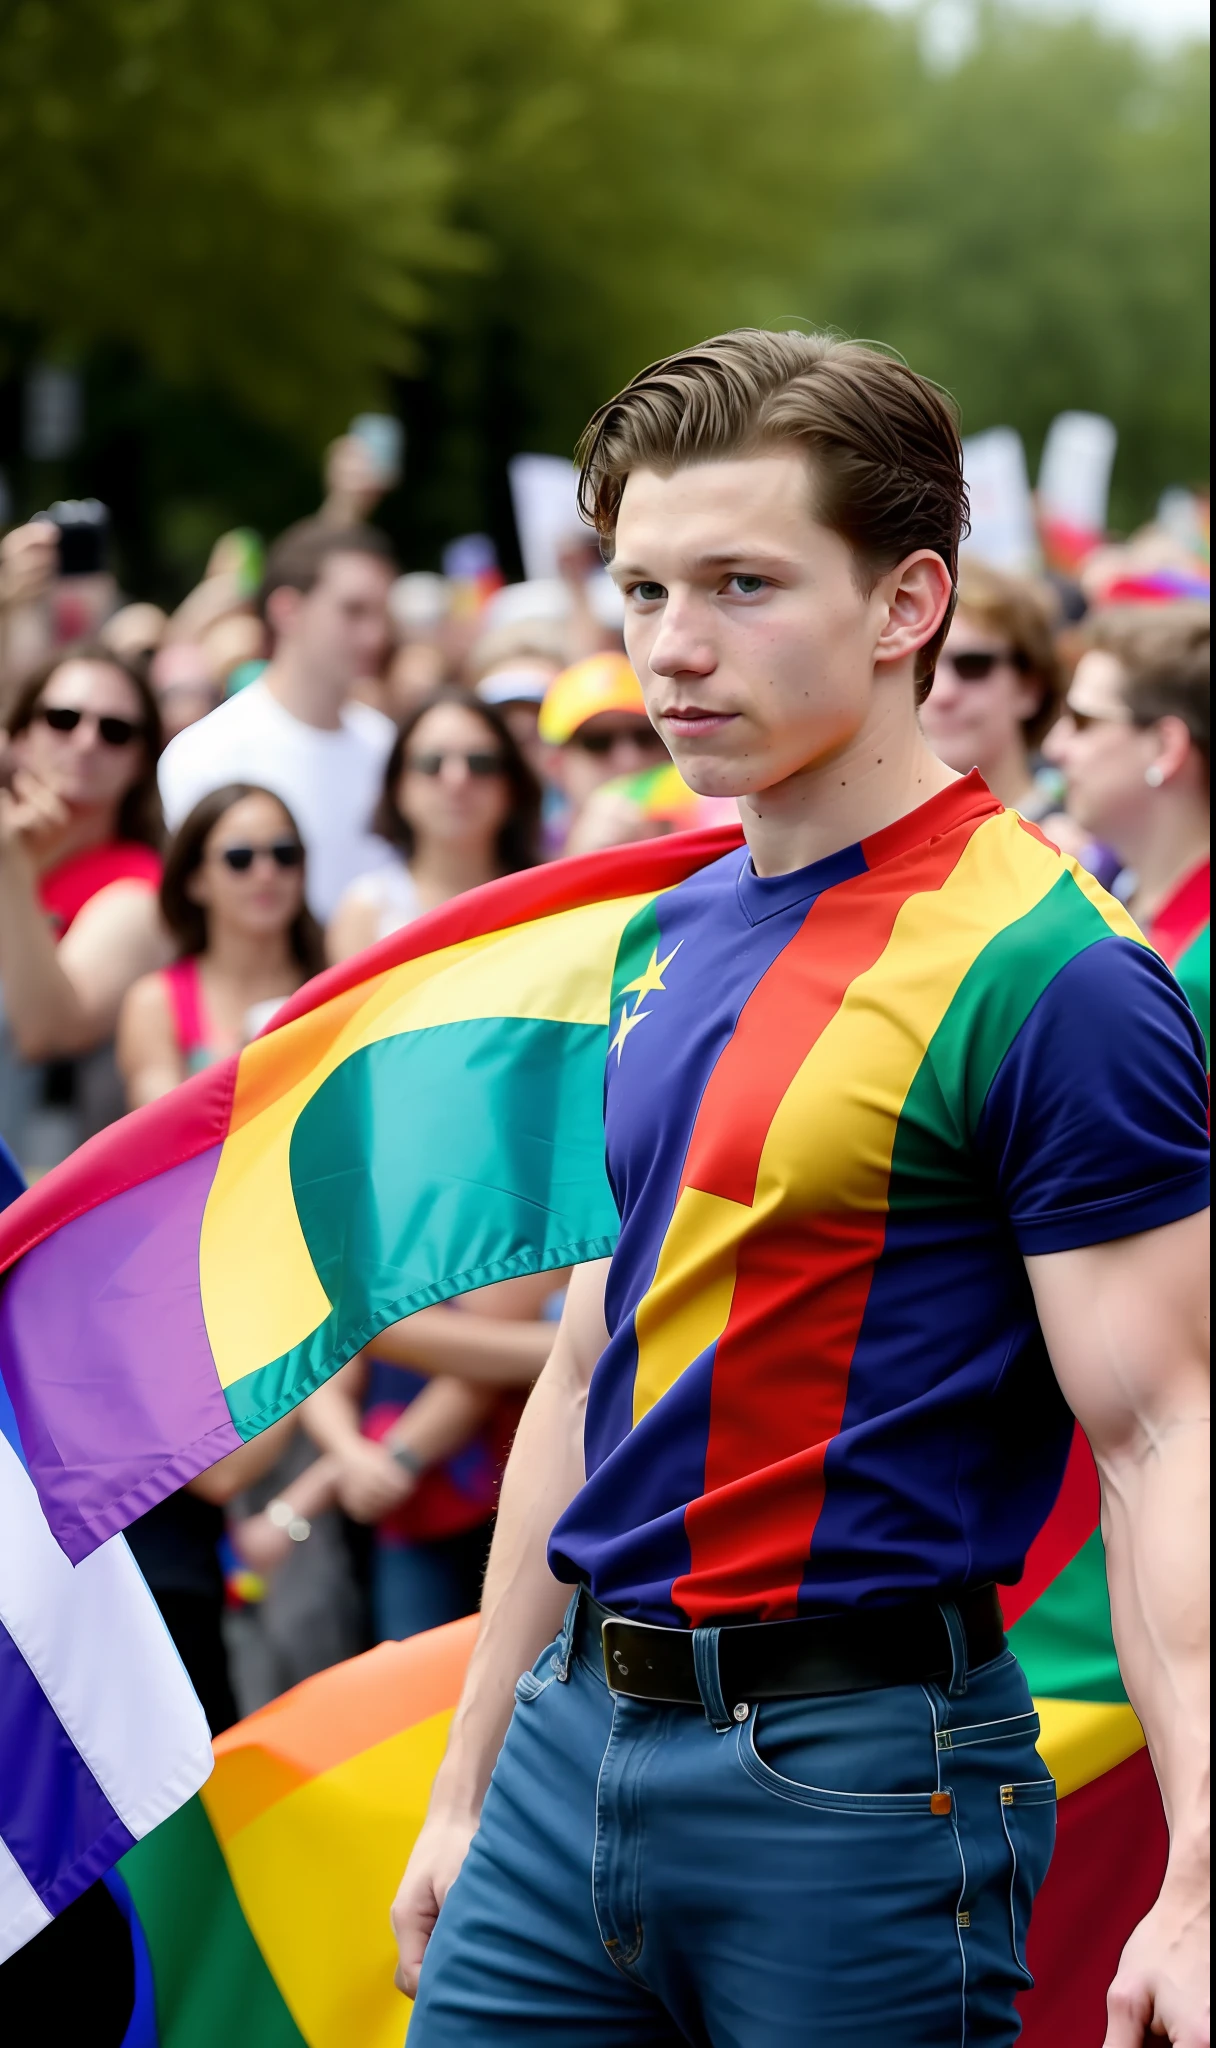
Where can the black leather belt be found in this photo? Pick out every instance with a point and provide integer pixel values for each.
(876, 1646)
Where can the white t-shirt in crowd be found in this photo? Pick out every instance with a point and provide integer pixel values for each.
(330, 781)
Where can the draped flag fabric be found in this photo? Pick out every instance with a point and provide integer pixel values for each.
(423, 1121)
(101, 1735)
(260, 1911)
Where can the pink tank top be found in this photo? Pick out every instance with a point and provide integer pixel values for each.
(191, 1027)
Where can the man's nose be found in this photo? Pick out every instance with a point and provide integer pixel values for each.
(681, 646)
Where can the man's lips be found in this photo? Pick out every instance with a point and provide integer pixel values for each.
(688, 721)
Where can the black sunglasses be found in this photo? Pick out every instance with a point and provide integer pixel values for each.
(978, 663)
(477, 764)
(115, 732)
(603, 742)
(285, 853)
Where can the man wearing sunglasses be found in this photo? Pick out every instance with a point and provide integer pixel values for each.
(593, 721)
(296, 730)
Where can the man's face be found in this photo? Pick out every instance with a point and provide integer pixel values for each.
(340, 626)
(1102, 754)
(744, 620)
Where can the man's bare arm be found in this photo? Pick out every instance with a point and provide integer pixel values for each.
(1126, 1327)
(521, 1609)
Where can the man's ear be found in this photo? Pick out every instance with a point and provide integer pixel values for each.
(1175, 746)
(917, 596)
(283, 609)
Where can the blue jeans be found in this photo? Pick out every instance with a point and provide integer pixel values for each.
(416, 1586)
(649, 1875)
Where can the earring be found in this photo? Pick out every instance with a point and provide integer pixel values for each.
(1154, 775)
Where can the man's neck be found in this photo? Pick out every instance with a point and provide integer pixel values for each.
(1176, 838)
(884, 772)
(313, 699)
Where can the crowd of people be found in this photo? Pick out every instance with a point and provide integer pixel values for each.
(199, 811)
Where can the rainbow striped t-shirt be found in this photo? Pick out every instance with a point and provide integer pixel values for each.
(842, 1106)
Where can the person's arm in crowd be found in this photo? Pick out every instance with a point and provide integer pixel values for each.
(63, 999)
(29, 564)
(262, 1541)
(521, 1610)
(498, 1340)
(149, 1059)
(222, 1481)
(1126, 1327)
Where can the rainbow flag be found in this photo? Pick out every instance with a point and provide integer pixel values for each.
(259, 1912)
(423, 1120)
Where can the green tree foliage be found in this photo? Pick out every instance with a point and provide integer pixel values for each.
(1037, 239)
(492, 212)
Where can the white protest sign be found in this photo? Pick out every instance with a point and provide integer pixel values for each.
(1074, 470)
(546, 511)
(1002, 512)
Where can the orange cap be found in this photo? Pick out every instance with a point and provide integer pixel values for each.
(604, 682)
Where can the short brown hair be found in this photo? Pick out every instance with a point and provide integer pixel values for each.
(186, 919)
(1165, 654)
(884, 442)
(296, 559)
(139, 814)
(1025, 614)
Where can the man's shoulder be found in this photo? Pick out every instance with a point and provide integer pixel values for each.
(370, 727)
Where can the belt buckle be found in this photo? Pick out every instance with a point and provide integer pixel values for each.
(625, 1659)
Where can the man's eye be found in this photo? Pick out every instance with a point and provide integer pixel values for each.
(747, 586)
(648, 593)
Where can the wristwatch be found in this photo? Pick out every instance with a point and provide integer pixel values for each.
(408, 1460)
(284, 1516)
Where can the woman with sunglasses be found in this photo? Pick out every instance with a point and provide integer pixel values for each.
(1133, 743)
(80, 834)
(232, 898)
(460, 807)
(997, 688)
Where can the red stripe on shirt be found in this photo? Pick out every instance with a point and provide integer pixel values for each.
(771, 1415)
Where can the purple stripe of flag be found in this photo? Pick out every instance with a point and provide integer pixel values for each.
(105, 1353)
(54, 1817)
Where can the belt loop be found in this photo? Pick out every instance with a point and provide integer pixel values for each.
(958, 1648)
(709, 1678)
(564, 1647)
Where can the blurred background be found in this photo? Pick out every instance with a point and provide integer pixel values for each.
(231, 228)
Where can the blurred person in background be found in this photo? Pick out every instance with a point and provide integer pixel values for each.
(459, 807)
(80, 833)
(134, 633)
(1133, 744)
(511, 667)
(998, 688)
(184, 685)
(232, 899)
(593, 721)
(421, 608)
(295, 729)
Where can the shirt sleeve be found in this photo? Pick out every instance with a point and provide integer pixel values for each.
(1096, 1123)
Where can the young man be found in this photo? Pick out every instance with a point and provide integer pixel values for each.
(296, 730)
(907, 1132)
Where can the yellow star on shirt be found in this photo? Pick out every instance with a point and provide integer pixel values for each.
(624, 1028)
(651, 979)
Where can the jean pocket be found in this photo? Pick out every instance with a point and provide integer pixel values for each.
(532, 1683)
(866, 1805)
(1028, 1815)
